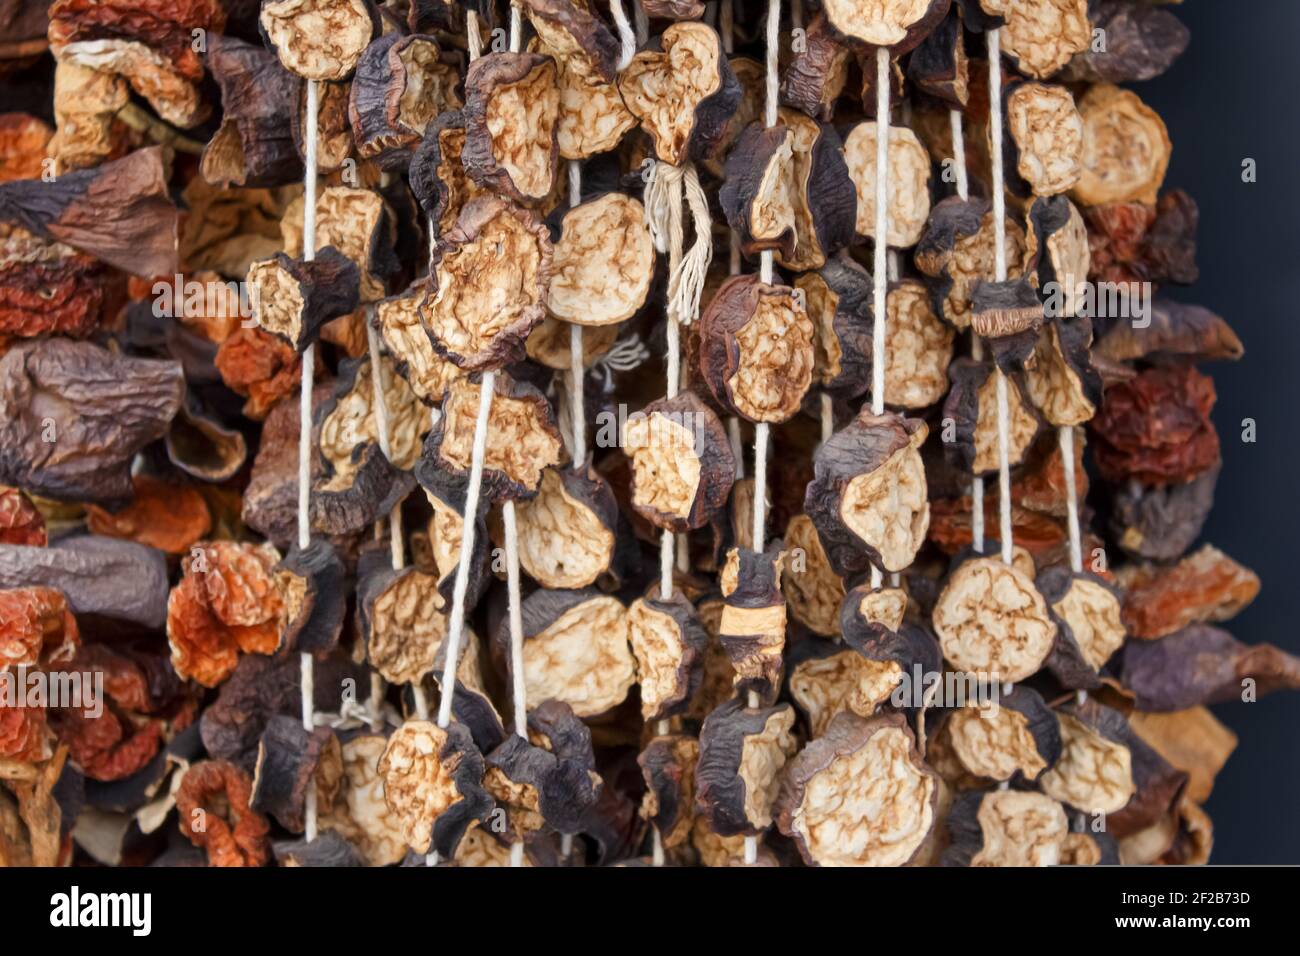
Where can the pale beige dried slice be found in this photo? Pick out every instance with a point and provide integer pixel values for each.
(918, 348)
(1048, 133)
(1020, 828)
(1022, 425)
(317, 39)
(812, 588)
(1125, 148)
(908, 185)
(1041, 36)
(604, 262)
(426, 372)
(1094, 773)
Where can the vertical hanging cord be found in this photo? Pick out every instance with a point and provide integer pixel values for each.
(880, 262)
(1000, 275)
(577, 363)
(1066, 434)
(308, 679)
(976, 346)
(626, 35)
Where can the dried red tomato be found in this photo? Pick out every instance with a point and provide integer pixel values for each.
(259, 366)
(20, 522)
(36, 628)
(24, 736)
(213, 806)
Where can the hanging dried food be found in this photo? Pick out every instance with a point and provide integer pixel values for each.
(100, 576)
(568, 533)
(1006, 828)
(575, 649)
(812, 588)
(20, 521)
(1160, 524)
(668, 766)
(918, 348)
(939, 66)
(290, 762)
(36, 628)
(490, 276)
(312, 582)
(1206, 586)
(1125, 148)
(743, 753)
(908, 199)
(252, 147)
(402, 83)
(437, 176)
(828, 679)
(991, 620)
(162, 515)
(548, 784)
(972, 406)
(398, 320)
(1095, 772)
(522, 440)
(668, 642)
(1135, 241)
(752, 628)
(860, 795)
(683, 92)
(897, 24)
(1089, 628)
(402, 618)
(293, 298)
(1018, 737)
(213, 806)
(604, 262)
(682, 465)
(838, 301)
(958, 248)
(571, 32)
(433, 782)
(318, 39)
(868, 496)
(512, 103)
(448, 496)
(358, 224)
(550, 344)
(873, 623)
(756, 351)
(1176, 331)
(1045, 138)
(815, 75)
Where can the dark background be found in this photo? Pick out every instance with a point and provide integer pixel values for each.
(1228, 98)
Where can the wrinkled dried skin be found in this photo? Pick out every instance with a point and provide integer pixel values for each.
(427, 373)
(1205, 586)
(918, 348)
(492, 274)
(1192, 740)
(604, 262)
(1094, 774)
(1042, 35)
(811, 587)
(665, 464)
(593, 118)
(887, 508)
(973, 258)
(823, 687)
(1054, 386)
(1048, 133)
(908, 186)
(663, 90)
(359, 812)
(347, 219)
(520, 118)
(354, 421)
(860, 796)
(317, 39)
(407, 623)
(1022, 426)
(520, 800)
(20, 521)
(663, 661)
(1093, 615)
(1020, 829)
(23, 140)
(86, 103)
(877, 22)
(994, 742)
(762, 757)
(582, 658)
(217, 793)
(419, 784)
(149, 73)
(1125, 148)
(990, 619)
(562, 542)
(521, 442)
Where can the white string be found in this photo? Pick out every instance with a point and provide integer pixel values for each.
(474, 42)
(737, 447)
(828, 416)
(516, 28)
(626, 35)
(1066, 433)
(577, 364)
(308, 679)
(959, 155)
(1000, 275)
(520, 699)
(880, 264)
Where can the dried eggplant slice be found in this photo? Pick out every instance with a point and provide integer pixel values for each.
(402, 83)
(293, 298)
(918, 348)
(401, 617)
(939, 66)
(399, 324)
(909, 183)
(318, 39)
(575, 649)
(290, 762)
(490, 276)
(593, 117)
(522, 439)
(433, 783)
(1057, 253)
(872, 622)
(991, 620)
(752, 629)
(958, 248)
(438, 176)
(471, 704)
(973, 408)
(334, 144)
(868, 495)
(812, 588)
(1041, 36)
(604, 262)
(312, 582)
(1099, 761)
(899, 25)
(827, 679)
(683, 92)
(756, 189)
(838, 301)
(574, 786)
(668, 642)
(860, 795)
(447, 495)
(572, 33)
(1008, 315)
(1090, 628)
(1125, 148)
(756, 349)
(512, 103)
(251, 148)
(668, 767)
(537, 789)
(356, 222)
(816, 75)
(743, 751)
(568, 533)
(682, 465)
(1006, 828)
(1044, 141)
(356, 482)
(550, 344)
(1017, 739)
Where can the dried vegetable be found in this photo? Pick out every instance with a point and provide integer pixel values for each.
(407, 422)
